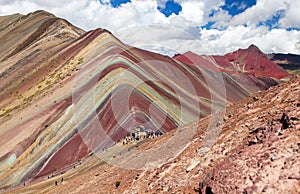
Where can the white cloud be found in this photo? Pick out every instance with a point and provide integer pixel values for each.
(193, 11)
(211, 41)
(276, 40)
(168, 39)
(222, 19)
(291, 18)
(262, 11)
(177, 33)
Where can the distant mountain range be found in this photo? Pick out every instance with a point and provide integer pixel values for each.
(65, 92)
(249, 61)
(289, 62)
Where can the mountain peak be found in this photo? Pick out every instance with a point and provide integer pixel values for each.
(253, 47)
(250, 61)
(42, 12)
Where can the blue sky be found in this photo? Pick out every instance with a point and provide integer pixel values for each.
(117, 3)
(170, 8)
(171, 26)
(233, 7)
(237, 7)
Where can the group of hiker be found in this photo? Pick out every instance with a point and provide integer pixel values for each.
(140, 133)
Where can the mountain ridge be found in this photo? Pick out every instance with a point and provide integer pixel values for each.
(240, 61)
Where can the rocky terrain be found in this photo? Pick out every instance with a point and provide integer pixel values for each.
(69, 97)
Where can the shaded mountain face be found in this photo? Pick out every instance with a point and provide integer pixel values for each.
(250, 61)
(289, 62)
(66, 93)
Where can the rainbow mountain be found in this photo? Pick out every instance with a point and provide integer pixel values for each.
(66, 93)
